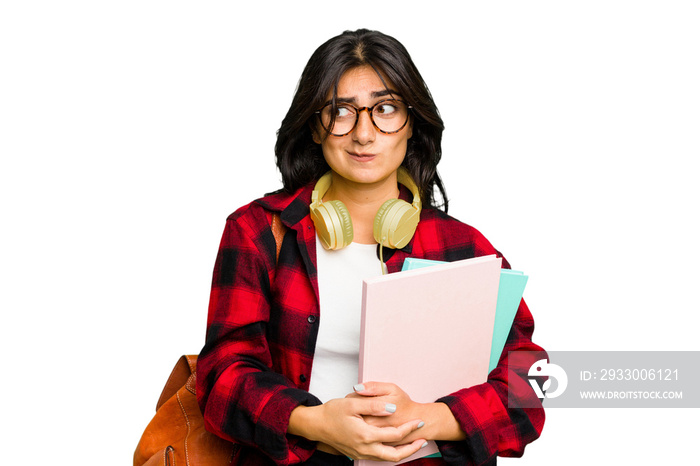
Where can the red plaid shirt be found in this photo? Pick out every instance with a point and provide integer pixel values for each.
(263, 319)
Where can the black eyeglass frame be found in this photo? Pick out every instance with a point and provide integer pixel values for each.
(371, 118)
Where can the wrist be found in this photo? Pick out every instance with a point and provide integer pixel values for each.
(440, 423)
(302, 422)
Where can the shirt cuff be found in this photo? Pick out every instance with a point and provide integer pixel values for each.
(271, 429)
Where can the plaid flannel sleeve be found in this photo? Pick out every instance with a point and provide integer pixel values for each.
(241, 397)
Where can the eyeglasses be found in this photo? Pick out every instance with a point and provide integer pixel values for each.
(388, 116)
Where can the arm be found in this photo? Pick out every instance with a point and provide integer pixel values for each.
(241, 397)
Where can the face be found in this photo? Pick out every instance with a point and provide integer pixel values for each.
(365, 155)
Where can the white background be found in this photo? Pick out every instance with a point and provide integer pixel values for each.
(130, 130)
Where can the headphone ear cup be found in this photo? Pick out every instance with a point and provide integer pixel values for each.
(395, 223)
(333, 224)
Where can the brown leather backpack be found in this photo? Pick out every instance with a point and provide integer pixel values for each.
(176, 434)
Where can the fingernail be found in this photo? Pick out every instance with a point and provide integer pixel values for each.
(359, 387)
(390, 408)
(420, 424)
(425, 444)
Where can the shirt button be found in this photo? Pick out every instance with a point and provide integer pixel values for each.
(302, 378)
(311, 319)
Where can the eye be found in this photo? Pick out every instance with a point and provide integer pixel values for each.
(344, 112)
(386, 108)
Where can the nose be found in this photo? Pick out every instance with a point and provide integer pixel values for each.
(364, 132)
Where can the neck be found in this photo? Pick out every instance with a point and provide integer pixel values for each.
(363, 201)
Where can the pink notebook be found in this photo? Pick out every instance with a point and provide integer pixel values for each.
(429, 330)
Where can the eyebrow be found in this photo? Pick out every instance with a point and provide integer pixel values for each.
(373, 95)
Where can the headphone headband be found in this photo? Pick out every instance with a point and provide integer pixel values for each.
(405, 179)
(321, 188)
(394, 224)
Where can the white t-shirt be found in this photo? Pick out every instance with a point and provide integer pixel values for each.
(340, 274)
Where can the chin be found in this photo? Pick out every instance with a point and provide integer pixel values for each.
(368, 177)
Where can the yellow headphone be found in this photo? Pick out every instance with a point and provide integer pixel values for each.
(394, 224)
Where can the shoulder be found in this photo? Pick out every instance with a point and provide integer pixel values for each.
(262, 208)
(253, 219)
(248, 233)
(451, 238)
(257, 215)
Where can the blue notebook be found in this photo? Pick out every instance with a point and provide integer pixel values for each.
(510, 292)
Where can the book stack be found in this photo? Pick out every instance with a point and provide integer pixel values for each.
(437, 327)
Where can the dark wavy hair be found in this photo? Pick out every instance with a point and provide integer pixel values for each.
(300, 160)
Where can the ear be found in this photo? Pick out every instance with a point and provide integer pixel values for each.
(410, 128)
(314, 133)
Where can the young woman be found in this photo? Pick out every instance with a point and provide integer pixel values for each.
(278, 372)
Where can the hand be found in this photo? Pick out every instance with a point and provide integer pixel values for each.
(406, 408)
(440, 423)
(340, 424)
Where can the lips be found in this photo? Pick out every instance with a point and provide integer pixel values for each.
(362, 156)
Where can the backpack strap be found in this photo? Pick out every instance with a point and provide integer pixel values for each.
(278, 231)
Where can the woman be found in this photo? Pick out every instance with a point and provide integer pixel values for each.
(277, 365)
